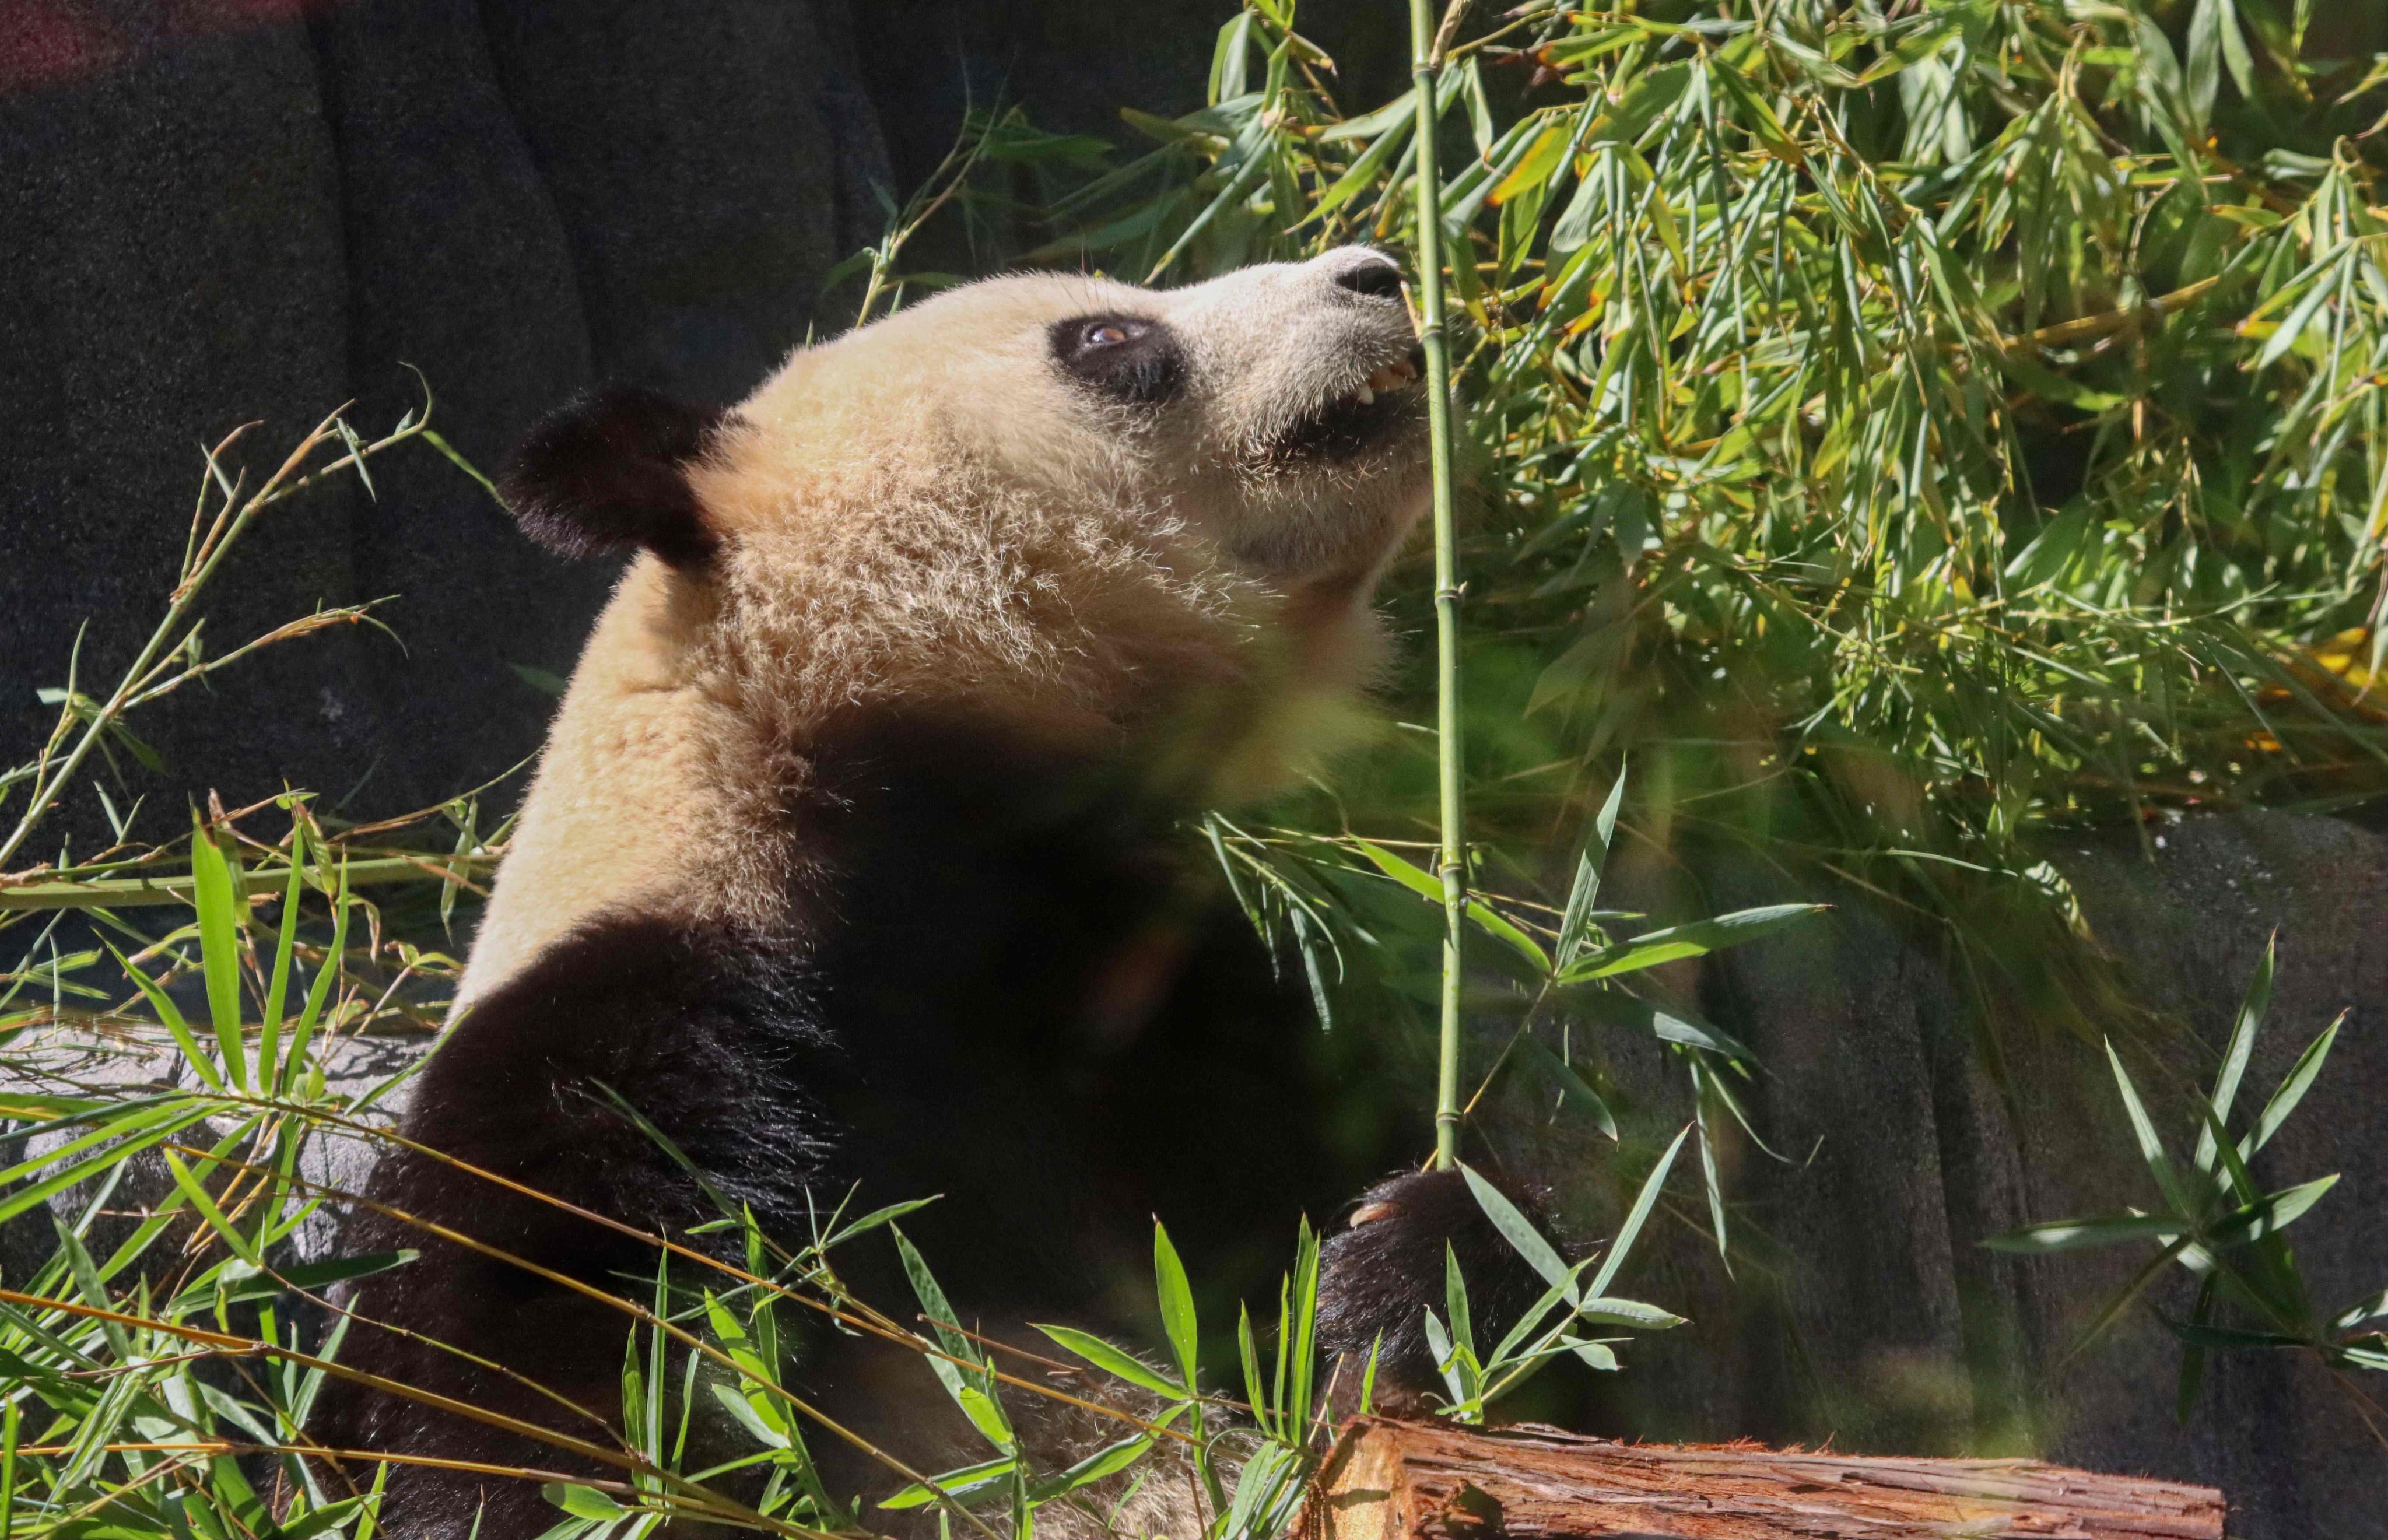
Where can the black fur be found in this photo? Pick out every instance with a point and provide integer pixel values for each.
(1123, 358)
(1383, 1273)
(717, 1051)
(1008, 992)
(608, 474)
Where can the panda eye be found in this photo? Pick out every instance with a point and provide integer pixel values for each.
(1127, 359)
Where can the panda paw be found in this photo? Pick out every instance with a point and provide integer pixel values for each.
(1384, 1268)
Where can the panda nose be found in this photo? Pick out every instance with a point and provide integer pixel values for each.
(1363, 272)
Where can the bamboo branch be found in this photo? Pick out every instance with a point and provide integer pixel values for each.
(2089, 328)
(175, 887)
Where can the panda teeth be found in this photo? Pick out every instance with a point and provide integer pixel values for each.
(1383, 379)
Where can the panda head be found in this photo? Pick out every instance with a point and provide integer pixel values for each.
(1039, 487)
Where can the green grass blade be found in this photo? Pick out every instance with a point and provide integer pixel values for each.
(277, 987)
(215, 889)
(1176, 1302)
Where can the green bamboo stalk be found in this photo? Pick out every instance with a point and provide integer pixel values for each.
(1425, 45)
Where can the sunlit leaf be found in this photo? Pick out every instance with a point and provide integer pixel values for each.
(1519, 1232)
(1675, 942)
(1113, 1360)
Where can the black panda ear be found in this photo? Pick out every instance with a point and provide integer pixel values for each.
(608, 472)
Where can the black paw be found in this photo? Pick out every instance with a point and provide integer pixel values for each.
(1383, 1269)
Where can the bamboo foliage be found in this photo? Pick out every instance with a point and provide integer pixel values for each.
(1904, 431)
(157, 1378)
(2215, 1220)
(1992, 389)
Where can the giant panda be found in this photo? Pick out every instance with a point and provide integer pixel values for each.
(855, 863)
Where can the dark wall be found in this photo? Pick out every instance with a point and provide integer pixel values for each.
(219, 211)
(1074, 64)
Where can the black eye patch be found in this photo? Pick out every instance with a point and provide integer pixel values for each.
(1126, 358)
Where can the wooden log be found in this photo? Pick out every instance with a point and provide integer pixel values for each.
(1407, 1480)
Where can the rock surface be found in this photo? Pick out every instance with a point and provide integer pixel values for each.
(1877, 1321)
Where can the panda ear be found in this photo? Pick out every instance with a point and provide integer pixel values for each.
(608, 472)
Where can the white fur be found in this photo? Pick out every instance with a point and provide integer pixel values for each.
(928, 509)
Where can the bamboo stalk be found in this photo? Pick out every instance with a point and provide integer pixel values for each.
(175, 887)
(1425, 45)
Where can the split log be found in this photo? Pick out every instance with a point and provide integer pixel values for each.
(1399, 1481)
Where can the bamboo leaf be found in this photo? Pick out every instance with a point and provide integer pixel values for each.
(2073, 1235)
(1592, 856)
(2235, 1053)
(225, 1229)
(1519, 1232)
(2272, 1214)
(584, 1502)
(1672, 1023)
(1176, 1302)
(1427, 886)
(317, 1275)
(1113, 1360)
(171, 1017)
(319, 989)
(1696, 939)
(2293, 1089)
(1571, 1085)
(1628, 1232)
(215, 885)
(277, 989)
(1602, 1310)
(2144, 1128)
(969, 1480)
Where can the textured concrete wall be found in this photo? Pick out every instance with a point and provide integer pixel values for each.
(216, 211)
(1870, 1316)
